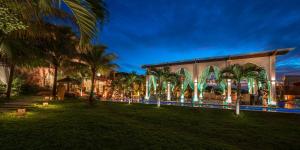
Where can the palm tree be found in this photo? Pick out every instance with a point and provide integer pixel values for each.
(17, 53)
(140, 88)
(57, 49)
(77, 71)
(172, 78)
(97, 60)
(29, 15)
(162, 75)
(131, 80)
(237, 73)
(119, 83)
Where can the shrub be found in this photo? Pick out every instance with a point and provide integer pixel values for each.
(16, 85)
(28, 89)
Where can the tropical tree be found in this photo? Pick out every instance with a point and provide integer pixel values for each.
(97, 60)
(119, 84)
(56, 50)
(26, 17)
(16, 53)
(140, 85)
(77, 71)
(26, 20)
(131, 80)
(237, 73)
(162, 76)
(172, 79)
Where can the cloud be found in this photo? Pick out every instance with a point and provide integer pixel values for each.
(165, 30)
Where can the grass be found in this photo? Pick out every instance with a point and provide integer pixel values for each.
(73, 124)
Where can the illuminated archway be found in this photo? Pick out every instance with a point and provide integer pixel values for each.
(152, 84)
(202, 79)
(262, 82)
(187, 81)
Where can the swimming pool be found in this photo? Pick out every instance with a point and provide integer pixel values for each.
(242, 107)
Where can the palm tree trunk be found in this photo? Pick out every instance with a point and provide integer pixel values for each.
(10, 80)
(129, 100)
(92, 87)
(131, 93)
(237, 105)
(158, 99)
(2, 36)
(123, 95)
(54, 82)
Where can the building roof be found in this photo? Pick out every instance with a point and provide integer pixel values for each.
(69, 80)
(282, 51)
(292, 75)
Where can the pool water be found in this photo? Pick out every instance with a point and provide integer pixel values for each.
(242, 107)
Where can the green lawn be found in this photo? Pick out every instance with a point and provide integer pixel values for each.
(75, 125)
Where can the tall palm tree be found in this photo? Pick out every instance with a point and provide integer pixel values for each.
(85, 14)
(77, 71)
(57, 49)
(237, 73)
(131, 80)
(172, 78)
(140, 88)
(119, 83)
(97, 60)
(162, 75)
(16, 53)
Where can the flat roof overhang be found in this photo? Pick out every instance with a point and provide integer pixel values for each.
(276, 52)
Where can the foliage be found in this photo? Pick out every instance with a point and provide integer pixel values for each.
(97, 60)
(59, 47)
(29, 89)
(2, 88)
(85, 14)
(237, 73)
(17, 84)
(16, 52)
(9, 21)
(118, 83)
(163, 76)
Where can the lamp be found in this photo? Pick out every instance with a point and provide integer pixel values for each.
(21, 112)
(45, 104)
(229, 81)
(273, 82)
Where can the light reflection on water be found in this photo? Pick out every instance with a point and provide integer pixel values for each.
(288, 109)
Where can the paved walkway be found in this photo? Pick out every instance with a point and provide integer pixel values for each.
(13, 105)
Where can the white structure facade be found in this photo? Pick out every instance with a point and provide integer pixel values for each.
(196, 69)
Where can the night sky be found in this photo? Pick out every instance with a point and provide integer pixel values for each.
(153, 31)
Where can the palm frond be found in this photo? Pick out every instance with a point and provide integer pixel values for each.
(86, 20)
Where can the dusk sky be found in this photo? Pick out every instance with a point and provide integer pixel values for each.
(153, 31)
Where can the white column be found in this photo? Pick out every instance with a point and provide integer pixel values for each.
(182, 94)
(195, 99)
(201, 93)
(195, 77)
(228, 99)
(255, 86)
(272, 75)
(273, 92)
(147, 89)
(169, 91)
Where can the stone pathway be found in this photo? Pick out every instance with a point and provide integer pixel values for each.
(13, 105)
